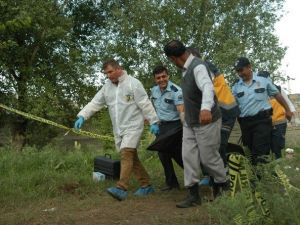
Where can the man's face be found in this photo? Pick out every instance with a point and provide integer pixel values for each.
(176, 61)
(161, 79)
(113, 73)
(245, 73)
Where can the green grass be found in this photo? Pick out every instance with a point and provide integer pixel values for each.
(35, 177)
(35, 174)
(38, 179)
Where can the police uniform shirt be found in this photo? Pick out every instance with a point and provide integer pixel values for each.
(254, 97)
(165, 101)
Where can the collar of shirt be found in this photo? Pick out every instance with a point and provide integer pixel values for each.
(187, 63)
(168, 88)
(123, 76)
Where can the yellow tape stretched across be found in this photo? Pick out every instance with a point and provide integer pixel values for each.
(285, 181)
(42, 120)
(240, 177)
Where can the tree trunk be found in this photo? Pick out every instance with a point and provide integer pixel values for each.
(19, 123)
(18, 133)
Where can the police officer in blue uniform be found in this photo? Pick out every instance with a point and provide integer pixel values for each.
(252, 94)
(168, 102)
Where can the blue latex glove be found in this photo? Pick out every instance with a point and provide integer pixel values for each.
(79, 122)
(154, 129)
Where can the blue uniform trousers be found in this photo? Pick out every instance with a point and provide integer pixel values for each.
(256, 135)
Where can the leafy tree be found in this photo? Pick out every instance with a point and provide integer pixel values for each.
(222, 30)
(51, 50)
(45, 60)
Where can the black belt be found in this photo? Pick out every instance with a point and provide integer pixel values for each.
(260, 115)
(166, 122)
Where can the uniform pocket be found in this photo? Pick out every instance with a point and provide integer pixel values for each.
(240, 94)
(260, 94)
(169, 101)
(241, 98)
(169, 104)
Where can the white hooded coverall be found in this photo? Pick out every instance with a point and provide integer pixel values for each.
(128, 105)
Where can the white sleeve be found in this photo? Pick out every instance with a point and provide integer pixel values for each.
(288, 101)
(144, 103)
(205, 85)
(94, 105)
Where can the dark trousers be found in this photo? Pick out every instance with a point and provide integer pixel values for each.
(278, 139)
(166, 161)
(167, 155)
(256, 135)
(225, 134)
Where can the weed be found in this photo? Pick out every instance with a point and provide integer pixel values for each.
(276, 186)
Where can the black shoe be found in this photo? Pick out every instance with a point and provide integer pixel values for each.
(192, 199)
(220, 188)
(169, 188)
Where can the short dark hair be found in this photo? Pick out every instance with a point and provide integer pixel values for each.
(111, 62)
(159, 69)
(174, 48)
(241, 62)
(194, 51)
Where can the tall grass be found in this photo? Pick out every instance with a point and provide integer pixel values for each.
(50, 172)
(53, 172)
(33, 174)
(284, 204)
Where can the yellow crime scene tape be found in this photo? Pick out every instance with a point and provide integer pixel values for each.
(49, 122)
(285, 181)
(239, 177)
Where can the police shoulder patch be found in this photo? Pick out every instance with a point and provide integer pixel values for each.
(278, 87)
(173, 88)
(236, 81)
(264, 74)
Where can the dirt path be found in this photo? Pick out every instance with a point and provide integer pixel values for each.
(153, 210)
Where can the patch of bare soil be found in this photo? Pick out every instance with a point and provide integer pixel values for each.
(159, 208)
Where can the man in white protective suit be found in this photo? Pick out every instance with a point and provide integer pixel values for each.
(128, 105)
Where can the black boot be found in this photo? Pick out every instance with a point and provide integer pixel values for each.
(192, 199)
(220, 188)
